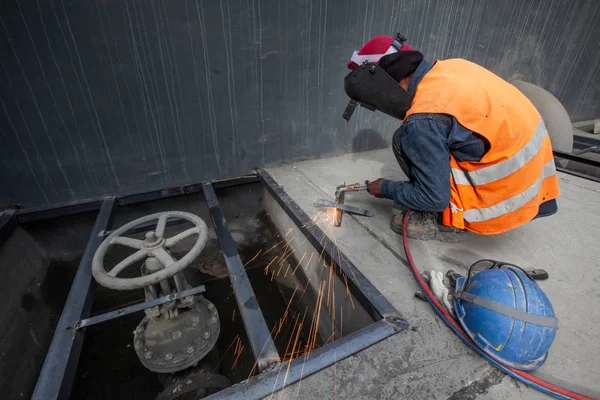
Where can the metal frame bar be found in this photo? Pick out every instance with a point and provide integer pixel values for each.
(584, 144)
(77, 207)
(584, 141)
(585, 150)
(579, 174)
(257, 330)
(8, 223)
(57, 374)
(579, 159)
(293, 371)
(369, 297)
(97, 319)
(181, 190)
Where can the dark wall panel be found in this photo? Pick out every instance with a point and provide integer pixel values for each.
(105, 96)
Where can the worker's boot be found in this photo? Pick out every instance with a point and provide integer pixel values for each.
(425, 226)
(398, 209)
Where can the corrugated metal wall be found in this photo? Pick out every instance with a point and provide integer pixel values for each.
(104, 96)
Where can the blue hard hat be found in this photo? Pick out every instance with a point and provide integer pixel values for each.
(506, 314)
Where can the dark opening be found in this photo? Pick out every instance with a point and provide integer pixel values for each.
(298, 301)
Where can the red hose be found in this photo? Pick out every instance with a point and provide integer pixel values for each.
(449, 319)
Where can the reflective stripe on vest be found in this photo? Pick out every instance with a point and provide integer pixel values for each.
(513, 203)
(505, 168)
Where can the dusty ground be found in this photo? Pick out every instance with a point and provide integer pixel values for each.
(428, 361)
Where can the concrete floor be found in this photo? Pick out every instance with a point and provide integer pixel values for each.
(428, 361)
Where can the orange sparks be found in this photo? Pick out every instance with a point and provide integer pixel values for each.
(299, 262)
(332, 213)
(330, 337)
(291, 337)
(314, 221)
(233, 315)
(329, 280)
(314, 327)
(310, 331)
(333, 309)
(309, 260)
(253, 258)
(355, 280)
(322, 251)
(287, 309)
(269, 264)
(346, 282)
(275, 245)
(297, 353)
(293, 348)
(229, 348)
(240, 348)
(285, 249)
(305, 287)
(342, 243)
(339, 254)
(318, 318)
(285, 257)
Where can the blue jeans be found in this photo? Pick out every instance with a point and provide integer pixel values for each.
(400, 157)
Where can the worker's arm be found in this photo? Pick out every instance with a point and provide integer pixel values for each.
(424, 143)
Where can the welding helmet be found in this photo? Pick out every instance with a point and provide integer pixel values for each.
(369, 86)
(506, 314)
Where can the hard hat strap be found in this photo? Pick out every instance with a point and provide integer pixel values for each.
(541, 320)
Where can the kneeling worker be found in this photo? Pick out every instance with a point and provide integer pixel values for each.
(475, 150)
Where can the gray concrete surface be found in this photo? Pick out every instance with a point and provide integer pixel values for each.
(428, 361)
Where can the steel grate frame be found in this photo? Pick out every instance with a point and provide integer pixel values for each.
(58, 371)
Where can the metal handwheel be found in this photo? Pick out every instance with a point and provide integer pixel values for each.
(154, 245)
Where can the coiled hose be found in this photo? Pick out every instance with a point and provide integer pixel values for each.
(525, 377)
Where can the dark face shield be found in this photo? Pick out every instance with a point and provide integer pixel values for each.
(371, 87)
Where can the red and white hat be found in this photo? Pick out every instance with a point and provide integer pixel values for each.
(373, 50)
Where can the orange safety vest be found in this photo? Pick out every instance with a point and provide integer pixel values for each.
(505, 188)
